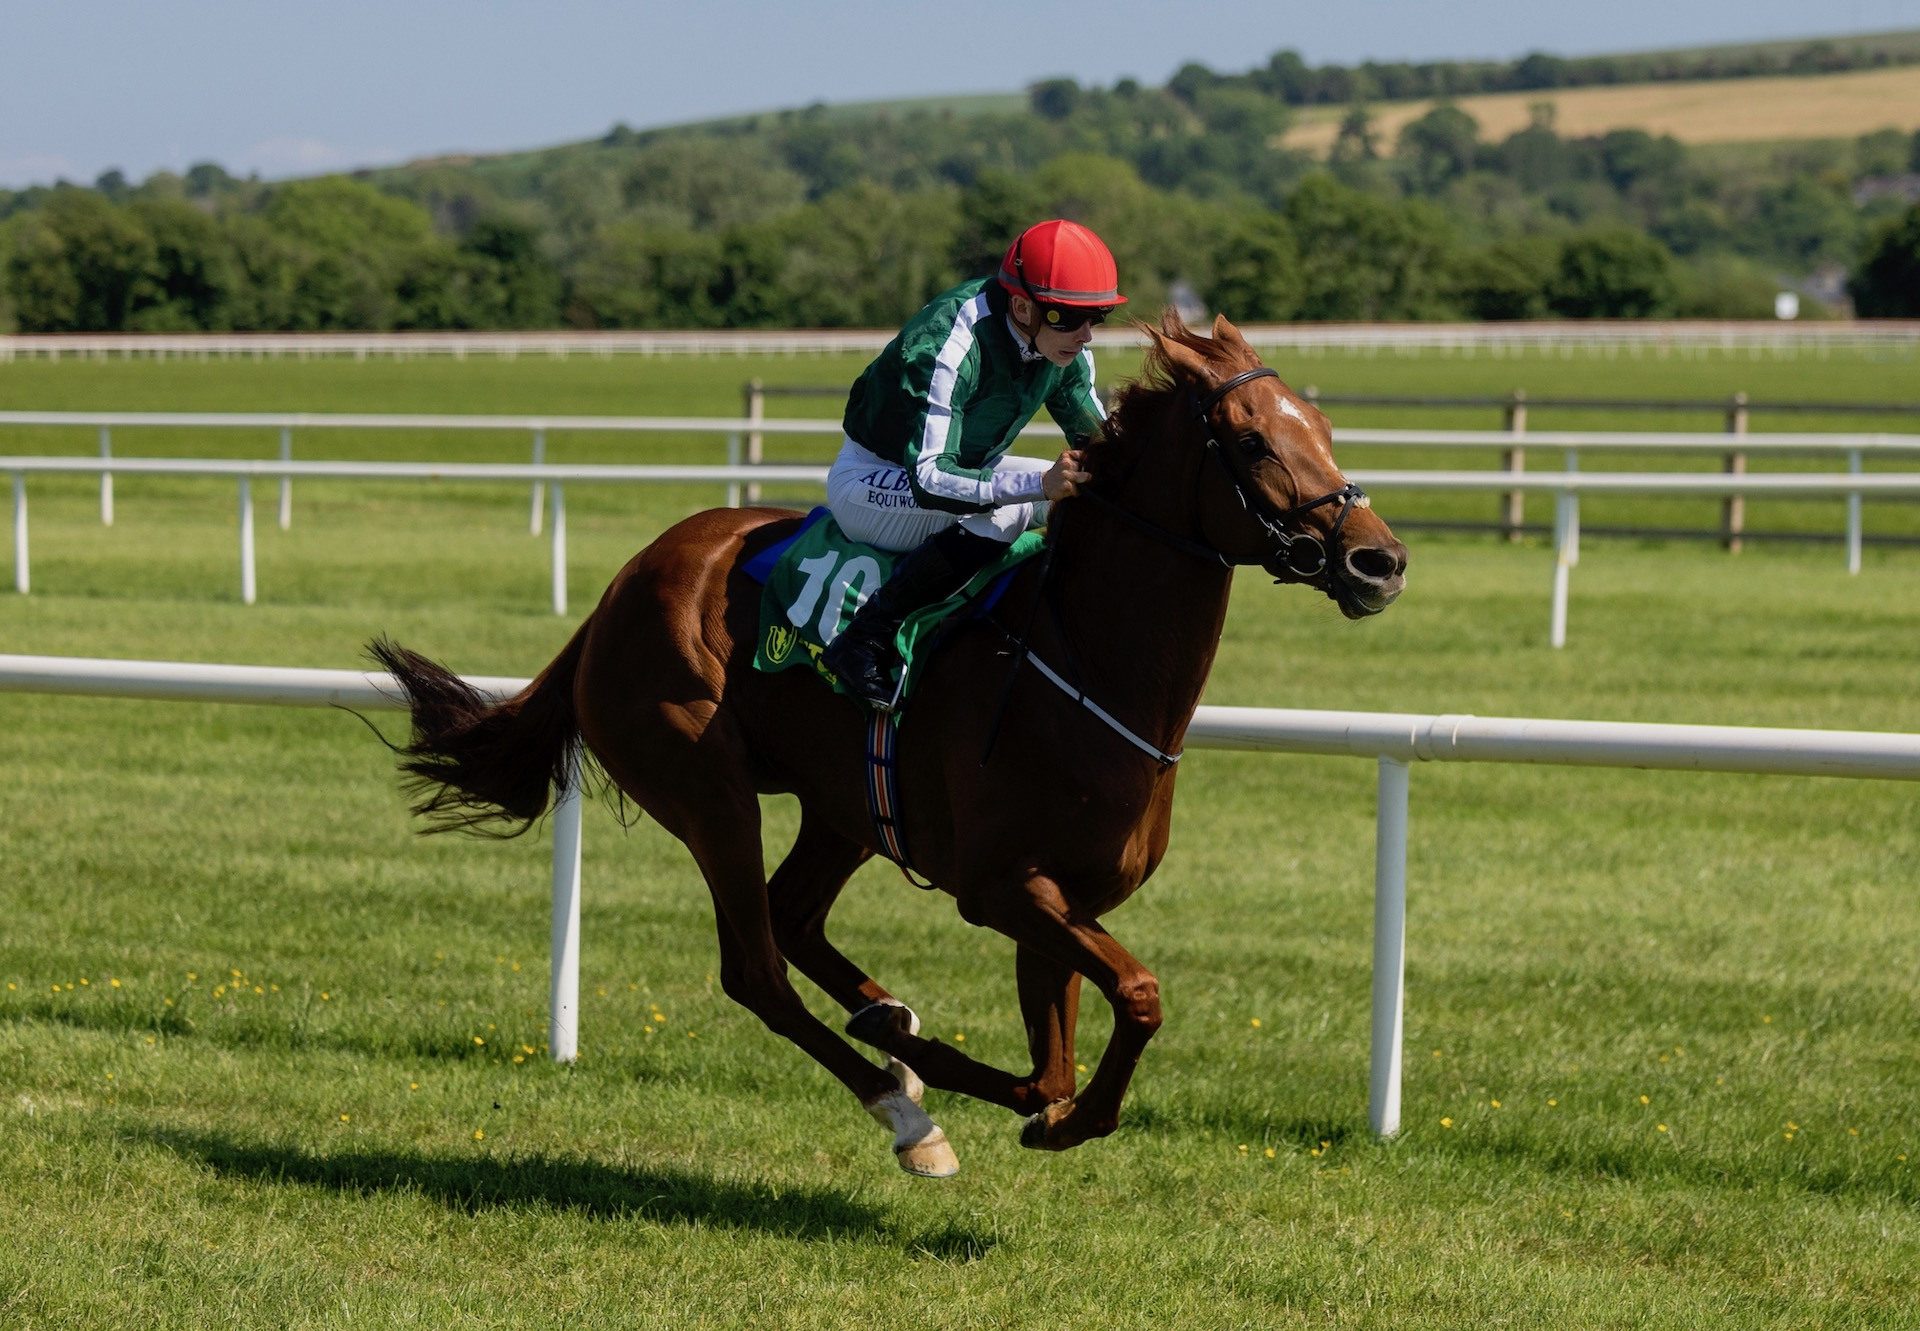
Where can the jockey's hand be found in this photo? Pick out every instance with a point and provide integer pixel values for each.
(1065, 477)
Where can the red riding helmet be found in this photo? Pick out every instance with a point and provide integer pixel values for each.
(1062, 263)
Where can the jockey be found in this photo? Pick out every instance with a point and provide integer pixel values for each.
(925, 467)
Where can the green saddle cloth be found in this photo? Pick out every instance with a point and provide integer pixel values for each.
(819, 582)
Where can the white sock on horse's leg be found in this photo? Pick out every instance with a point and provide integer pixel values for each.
(918, 1144)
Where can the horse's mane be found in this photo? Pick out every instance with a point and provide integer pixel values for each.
(1141, 412)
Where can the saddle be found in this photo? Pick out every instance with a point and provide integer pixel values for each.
(816, 578)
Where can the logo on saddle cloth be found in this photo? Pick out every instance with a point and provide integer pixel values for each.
(817, 578)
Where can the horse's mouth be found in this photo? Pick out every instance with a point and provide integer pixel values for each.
(1359, 600)
(1361, 583)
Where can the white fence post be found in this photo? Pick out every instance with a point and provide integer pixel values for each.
(286, 482)
(1566, 552)
(1389, 947)
(733, 460)
(246, 541)
(20, 580)
(559, 551)
(563, 1008)
(539, 488)
(106, 478)
(1855, 526)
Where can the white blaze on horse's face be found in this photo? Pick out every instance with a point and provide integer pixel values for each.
(1288, 409)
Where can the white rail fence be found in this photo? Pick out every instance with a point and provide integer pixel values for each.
(1395, 741)
(745, 442)
(1567, 487)
(1633, 337)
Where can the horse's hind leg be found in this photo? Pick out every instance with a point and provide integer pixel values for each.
(803, 891)
(726, 844)
(800, 894)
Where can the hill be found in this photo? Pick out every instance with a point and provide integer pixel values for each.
(1793, 107)
(1676, 195)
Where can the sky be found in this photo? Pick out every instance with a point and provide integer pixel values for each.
(284, 88)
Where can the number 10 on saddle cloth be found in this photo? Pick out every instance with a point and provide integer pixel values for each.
(816, 579)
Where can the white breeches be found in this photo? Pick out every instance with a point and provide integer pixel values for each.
(872, 502)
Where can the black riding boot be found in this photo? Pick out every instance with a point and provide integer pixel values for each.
(863, 656)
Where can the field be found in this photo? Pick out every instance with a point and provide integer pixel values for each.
(266, 1056)
(1828, 106)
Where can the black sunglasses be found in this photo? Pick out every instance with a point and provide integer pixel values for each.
(1071, 318)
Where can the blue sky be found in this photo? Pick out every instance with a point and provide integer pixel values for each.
(285, 88)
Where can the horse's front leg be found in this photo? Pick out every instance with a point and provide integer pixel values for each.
(1050, 1006)
(1044, 922)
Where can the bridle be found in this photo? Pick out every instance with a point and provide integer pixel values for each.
(1297, 555)
(1301, 554)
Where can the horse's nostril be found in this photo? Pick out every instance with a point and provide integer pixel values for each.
(1374, 563)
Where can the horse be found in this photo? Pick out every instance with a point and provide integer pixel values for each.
(1036, 776)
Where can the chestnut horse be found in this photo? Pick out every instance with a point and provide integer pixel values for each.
(1036, 772)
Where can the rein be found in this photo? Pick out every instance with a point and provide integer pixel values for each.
(1301, 554)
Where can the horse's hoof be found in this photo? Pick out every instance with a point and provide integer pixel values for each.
(930, 1157)
(918, 1144)
(1035, 1133)
(877, 1021)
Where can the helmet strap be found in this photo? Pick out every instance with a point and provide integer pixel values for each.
(1032, 348)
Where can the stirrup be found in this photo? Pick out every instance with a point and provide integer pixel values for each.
(862, 671)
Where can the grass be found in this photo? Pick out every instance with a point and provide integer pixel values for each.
(360, 1124)
(1708, 111)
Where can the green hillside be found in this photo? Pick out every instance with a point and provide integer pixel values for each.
(854, 215)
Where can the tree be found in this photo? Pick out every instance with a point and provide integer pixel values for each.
(1612, 272)
(1054, 99)
(207, 179)
(78, 264)
(1536, 157)
(1886, 284)
(355, 249)
(1256, 268)
(511, 283)
(633, 275)
(1357, 140)
(709, 182)
(1508, 279)
(194, 273)
(1367, 258)
(1190, 80)
(1803, 222)
(1724, 286)
(1438, 148)
(1632, 156)
(1881, 153)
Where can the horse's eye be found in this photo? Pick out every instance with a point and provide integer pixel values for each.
(1253, 445)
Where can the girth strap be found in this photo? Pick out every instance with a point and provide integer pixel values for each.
(883, 790)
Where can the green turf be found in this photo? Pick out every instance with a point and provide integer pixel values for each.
(339, 1133)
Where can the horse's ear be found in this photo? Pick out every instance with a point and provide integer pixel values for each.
(1224, 331)
(1177, 355)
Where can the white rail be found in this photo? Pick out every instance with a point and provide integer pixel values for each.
(752, 429)
(1608, 337)
(1394, 740)
(1567, 486)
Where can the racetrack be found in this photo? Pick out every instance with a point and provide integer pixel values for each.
(357, 1140)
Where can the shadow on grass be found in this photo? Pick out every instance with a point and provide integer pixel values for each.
(583, 1187)
(287, 1031)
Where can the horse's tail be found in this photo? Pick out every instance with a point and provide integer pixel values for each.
(476, 765)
